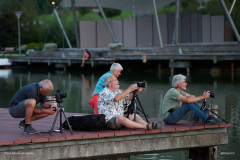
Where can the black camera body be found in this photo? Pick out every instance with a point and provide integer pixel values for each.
(211, 94)
(59, 96)
(54, 109)
(140, 84)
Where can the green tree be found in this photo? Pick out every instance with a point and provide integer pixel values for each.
(110, 12)
(8, 23)
(46, 7)
(29, 22)
(84, 10)
(189, 5)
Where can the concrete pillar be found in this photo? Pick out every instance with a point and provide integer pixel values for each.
(172, 70)
(206, 153)
(188, 70)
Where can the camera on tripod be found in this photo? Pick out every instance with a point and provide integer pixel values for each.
(211, 94)
(59, 96)
(139, 84)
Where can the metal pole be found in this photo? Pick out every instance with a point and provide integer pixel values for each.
(230, 11)
(158, 27)
(62, 28)
(105, 19)
(75, 22)
(19, 39)
(231, 21)
(63, 24)
(176, 27)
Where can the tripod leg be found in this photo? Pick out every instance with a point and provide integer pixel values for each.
(143, 110)
(217, 115)
(135, 110)
(61, 120)
(70, 128)
(54, 122)
(196, 120)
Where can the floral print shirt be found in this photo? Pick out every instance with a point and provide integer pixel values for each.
(106, 105)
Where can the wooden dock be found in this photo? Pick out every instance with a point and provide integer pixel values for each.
(103, 144)
(176, 56)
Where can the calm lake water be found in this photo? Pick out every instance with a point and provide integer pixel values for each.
(80, 85)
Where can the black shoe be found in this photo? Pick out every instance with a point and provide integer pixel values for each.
(21, 124)
(29, 130)
(212, 120)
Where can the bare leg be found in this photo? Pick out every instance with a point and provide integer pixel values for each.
(30, 105)
(138, 119)
(130, 124)
(37, 117)
(85, 57)
(83, 62)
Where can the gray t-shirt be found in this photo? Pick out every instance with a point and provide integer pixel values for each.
(30, 91)
(170, 101)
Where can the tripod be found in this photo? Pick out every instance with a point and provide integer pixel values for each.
(132, 108)
(204, 107)
(61, 110)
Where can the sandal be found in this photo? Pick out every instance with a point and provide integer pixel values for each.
(156, 125)
(148, 126)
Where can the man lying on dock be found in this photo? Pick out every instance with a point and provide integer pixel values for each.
(110, 103)
(23, 104)
(177, 103)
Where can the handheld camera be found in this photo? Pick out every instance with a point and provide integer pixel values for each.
(140, 84)
(211, 94)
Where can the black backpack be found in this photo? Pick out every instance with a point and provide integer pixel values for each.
(86, 122)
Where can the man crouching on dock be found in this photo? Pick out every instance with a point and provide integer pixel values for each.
(23, 104)
(110, 103)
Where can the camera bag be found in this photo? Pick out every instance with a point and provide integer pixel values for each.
(86, 122)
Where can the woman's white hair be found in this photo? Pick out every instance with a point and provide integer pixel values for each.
(177, 79)
(107, 80)
(46, 84)
(116, 66)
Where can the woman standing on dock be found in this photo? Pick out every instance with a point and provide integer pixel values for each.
(86, 56)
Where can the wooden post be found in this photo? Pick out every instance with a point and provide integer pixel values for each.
(159, 67)
(188, 70)
(172, 70)
(232, 67)
(232, 72)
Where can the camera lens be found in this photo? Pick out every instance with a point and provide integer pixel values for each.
(212, 94)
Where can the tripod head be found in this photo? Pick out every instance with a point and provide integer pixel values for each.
(59, 95)
(134, 93)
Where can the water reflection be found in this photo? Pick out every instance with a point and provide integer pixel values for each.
(4, 73)
(80, 86)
